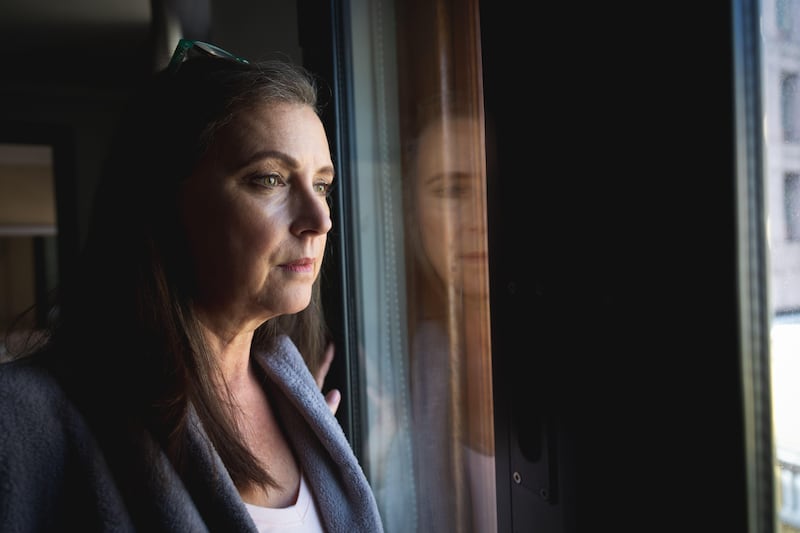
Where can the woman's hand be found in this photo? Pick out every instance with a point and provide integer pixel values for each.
(333, 397)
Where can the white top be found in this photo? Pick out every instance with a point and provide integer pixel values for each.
(481, 472)
(302, 517)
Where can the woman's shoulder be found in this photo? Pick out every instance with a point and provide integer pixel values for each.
(25, 371)
(40, 426)
(30, 392)
(52, 471)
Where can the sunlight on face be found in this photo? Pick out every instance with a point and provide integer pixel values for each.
(256, 214)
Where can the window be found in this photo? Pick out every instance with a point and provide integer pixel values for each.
(771, 200)
(789, 108)
(786, 18)
(418, 186)
(791, 206)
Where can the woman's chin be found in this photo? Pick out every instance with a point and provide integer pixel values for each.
(298, 305)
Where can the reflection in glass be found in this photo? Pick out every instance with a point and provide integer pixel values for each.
(451, 393)
(416, 184)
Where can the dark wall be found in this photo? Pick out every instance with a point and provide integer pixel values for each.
(71, 72)
(614, 249)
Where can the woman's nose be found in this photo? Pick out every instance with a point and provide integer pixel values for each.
(312, 214)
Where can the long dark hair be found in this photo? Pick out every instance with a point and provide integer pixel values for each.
(127, 343)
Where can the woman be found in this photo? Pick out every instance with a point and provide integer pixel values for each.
(171, 394)
(451, 379)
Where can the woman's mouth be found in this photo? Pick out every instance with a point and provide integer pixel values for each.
(301, 265)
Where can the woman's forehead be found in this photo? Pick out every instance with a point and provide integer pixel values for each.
(445, 140)
(291, 128)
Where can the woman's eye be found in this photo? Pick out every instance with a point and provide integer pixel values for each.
(457, 186)
(268, 180)
(453, 191)
(323, 188)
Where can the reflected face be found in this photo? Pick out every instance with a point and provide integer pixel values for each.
(450, 198)
(256, 214)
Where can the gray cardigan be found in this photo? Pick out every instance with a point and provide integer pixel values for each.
(54, 475)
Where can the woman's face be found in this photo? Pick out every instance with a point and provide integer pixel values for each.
(256, 215)
(450, 199)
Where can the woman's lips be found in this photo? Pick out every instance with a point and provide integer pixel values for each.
(301, 265)
(474, 256)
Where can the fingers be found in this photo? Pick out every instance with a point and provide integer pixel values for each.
(333, 398)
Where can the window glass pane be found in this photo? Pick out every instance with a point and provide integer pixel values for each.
(779, 88)
(786, 19)
(418, 184)
(791, 206)
(789, 107)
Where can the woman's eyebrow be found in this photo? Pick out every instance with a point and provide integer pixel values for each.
(288, 160)
(448, 176)
(271, 154)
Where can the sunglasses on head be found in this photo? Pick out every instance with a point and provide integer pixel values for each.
(191, 48)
